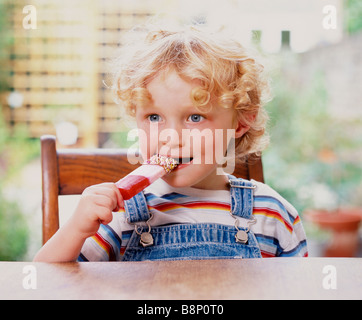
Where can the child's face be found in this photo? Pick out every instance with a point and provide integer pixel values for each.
(170, 120)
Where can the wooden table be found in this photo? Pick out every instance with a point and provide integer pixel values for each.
(276, 278)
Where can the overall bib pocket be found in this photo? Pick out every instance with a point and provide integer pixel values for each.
(195, 240)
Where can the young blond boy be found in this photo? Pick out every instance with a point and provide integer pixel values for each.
(175, 83)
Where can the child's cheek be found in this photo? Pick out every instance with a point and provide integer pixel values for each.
(209, 150)
(216, 145)
(146, 145)
(222, 139)
(148, 140)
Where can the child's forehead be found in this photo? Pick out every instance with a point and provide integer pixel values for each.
(172, 89)
(169, 78)
(168, 101)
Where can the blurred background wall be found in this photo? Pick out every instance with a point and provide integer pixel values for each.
(55, 71)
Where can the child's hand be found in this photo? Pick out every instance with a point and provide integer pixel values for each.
(95, 207)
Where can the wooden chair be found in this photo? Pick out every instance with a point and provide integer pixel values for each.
(70, 171)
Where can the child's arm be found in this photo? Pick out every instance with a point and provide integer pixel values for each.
(95, 207)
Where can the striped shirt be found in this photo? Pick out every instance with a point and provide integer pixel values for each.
(278, 230)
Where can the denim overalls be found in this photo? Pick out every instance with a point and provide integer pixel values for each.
(193, 241)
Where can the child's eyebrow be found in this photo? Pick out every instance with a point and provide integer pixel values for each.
(148, 105)
(186, 108)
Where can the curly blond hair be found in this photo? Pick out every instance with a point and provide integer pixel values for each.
(229, 75)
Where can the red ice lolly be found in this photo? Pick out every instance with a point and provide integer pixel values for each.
(140, 178)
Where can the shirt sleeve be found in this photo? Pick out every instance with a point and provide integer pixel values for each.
(296, 246)
(279, 229)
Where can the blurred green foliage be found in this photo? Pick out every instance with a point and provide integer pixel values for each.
(121, 140)
(16, 149)
(6, 39)
(353, 15)
(314, 159)
(14, 232)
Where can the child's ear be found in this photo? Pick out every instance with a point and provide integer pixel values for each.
(242, 127)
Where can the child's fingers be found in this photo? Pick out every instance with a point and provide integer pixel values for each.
(111, 187)
(102, 188)
(105, 201)
(108, 190)
(120, 201)
(105, 215)
(115, 194)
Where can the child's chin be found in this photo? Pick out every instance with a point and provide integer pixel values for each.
(178, 181)
(188, 176)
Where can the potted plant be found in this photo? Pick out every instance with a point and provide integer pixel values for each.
(335, 215)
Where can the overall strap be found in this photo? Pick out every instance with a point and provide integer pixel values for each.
(136, 208)
(241, 192)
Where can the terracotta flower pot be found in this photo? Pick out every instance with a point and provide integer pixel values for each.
(344, 225)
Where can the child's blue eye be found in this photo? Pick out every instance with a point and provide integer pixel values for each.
(154, 118)
(195, 118)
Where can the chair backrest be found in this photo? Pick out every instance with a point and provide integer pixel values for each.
(70, 171)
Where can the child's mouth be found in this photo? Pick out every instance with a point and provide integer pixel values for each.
(183, 160)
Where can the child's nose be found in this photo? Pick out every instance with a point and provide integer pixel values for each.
(172, 137)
